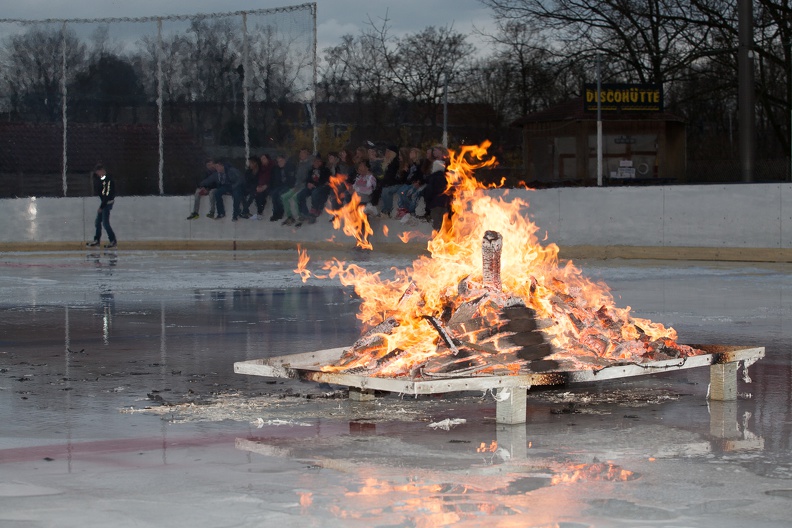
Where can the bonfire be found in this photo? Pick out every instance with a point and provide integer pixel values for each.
(490, 299)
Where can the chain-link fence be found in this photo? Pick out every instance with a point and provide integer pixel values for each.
(150, 97)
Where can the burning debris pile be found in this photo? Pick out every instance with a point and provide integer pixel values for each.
(490, 301)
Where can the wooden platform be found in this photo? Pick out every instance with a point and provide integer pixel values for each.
(510, 391)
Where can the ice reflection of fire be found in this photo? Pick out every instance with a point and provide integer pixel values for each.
(607, 472)
(489, 300)
(444, 503)
(484, 448)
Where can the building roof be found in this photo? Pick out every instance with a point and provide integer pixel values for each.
(572, 110)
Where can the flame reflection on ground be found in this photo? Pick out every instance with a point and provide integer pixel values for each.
(433, 504)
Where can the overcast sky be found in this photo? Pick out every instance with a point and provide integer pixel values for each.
(334, 17)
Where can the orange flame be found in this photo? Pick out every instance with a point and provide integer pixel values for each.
(302, 264)
(583, 323)
(350, 217)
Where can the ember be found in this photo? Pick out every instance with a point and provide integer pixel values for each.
(489, 301)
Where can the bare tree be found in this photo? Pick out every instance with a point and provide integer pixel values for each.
(423, 66)
(528, 67)
(491, 81)
(31, 65)
(356, 72)
(646, 41)
(108, 84)
(772, 62)
(174, 48)
(278, 71)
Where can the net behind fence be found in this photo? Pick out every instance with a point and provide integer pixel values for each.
(151, 97)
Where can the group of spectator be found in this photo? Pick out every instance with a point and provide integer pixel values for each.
(384, 177)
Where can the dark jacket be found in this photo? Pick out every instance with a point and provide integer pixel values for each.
(206, 176)
(234, 178)
(436, 192)
(414, 174)
(318, 177)
(282, 176)
(392, 175)
(251, 180)
(210, 182)
(107, 193)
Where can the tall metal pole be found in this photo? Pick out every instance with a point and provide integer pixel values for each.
(245, 83)
(445, 110)
(315, 80)
(746, 90)
(790, 110)
(64, 115)
(160, 105)
(599, 123)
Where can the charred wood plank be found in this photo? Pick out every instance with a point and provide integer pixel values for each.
(445, 335)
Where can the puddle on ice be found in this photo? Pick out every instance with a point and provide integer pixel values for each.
(117, 390)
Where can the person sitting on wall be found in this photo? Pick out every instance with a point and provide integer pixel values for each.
(281, 181)
(206, 187)
(257, 178)
(301, 176)
(318, 178)
(229, 181)
(322, 192)
(365, 183)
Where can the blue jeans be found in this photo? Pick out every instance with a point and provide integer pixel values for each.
(236, 194)
(408, 198)
(103, 219)
(387, 196)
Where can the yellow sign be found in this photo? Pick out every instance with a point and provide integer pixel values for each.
(624, 98)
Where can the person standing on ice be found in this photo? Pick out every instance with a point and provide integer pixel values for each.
(106, 188)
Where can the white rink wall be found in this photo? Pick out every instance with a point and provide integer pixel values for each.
(162, 219)
(710, 216)
(728, 216)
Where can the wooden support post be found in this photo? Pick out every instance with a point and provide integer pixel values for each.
(356, 394)
(511, 407)
(723, 420)
(513, 439)
(723, 381)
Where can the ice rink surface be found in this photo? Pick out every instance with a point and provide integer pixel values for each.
(119, 407)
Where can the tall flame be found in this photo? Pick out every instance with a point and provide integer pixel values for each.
(351, 217)
(582, 319)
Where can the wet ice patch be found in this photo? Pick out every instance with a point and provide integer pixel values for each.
(585, 402)
(23, 489)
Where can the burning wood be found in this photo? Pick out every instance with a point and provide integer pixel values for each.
(518, 311)
(482, 331)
